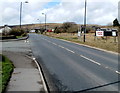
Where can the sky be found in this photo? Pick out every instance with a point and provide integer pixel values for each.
(101, 12)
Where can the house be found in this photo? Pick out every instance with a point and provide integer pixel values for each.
(5, 30)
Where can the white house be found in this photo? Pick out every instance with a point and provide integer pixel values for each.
(5, 30)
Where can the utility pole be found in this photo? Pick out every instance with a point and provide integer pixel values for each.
(45, 19)
(85, 21)
(20, 13)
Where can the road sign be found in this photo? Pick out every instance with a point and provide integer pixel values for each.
(99, 33)
(114, 34)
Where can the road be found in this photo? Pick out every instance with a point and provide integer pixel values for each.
(73, 67)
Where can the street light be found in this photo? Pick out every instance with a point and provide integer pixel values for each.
(85, 20)
(45, 19)
(39, 21)
(21, 12)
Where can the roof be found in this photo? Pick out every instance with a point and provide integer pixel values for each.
(6, 28)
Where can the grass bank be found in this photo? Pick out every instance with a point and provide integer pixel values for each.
(107, 43)
(6, 69)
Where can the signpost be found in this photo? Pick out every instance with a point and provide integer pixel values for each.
(106, 32)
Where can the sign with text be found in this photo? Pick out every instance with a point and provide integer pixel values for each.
(99, 33)
(114, 34)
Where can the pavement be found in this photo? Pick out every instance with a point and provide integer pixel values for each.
(26, 76)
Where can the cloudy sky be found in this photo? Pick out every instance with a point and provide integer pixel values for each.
(101, 12)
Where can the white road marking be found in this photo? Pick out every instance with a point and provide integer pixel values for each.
(54, 43)
(61, 46)
(33, 58)
(69, 50)
(90, 60)
(41, 74)
(80, 55)
(106, 67)
(117, 72)
(25, 41)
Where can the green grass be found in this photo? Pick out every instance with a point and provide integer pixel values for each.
(19, 37)
(6, 68)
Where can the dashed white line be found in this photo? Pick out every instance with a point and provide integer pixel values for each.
(69, 50)
(106, 67)
(26, 41)
(117, 72)
(79, 55)
(90, 60)
(61, 46)
(54, 43)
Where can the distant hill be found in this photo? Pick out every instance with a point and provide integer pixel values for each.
(50, 25)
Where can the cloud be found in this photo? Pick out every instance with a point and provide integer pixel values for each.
(98, 11)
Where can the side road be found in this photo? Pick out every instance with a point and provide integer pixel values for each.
(26, 76)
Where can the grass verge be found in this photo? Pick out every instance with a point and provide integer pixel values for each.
(19, 37)
(108, 44)
(6, 69)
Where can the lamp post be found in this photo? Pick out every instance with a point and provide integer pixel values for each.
(45, 19)
(21, 12)
(85, 21)
(39, 21)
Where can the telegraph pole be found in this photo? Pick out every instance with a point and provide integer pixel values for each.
(20, 13)
(85, 21)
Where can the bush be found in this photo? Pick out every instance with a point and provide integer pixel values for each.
(88, 29)
(58, 30)
(17, 32)
(69, 27)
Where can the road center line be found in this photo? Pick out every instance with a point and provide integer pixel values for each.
(80, 55)
(69, 50)
(54, 43)
(117, 72)
(90, 60)
(61, 46)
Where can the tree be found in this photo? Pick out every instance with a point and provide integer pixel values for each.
(116, 23)
(58, 30)
(17, 32)
(69, 27)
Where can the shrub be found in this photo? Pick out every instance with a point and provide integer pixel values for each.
(17, 32)
(69, 27)
(58, 30)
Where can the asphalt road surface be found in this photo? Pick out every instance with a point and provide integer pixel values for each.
(71, 67)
